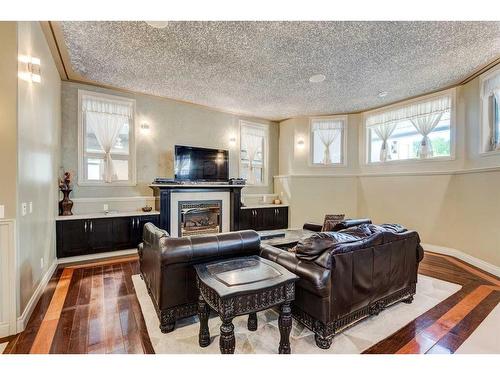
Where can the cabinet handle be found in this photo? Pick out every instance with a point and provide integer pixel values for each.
(136, 223)
(133, 222)
(91, 229)
(85, 226)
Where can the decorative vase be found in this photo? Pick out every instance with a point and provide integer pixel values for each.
(66, 204)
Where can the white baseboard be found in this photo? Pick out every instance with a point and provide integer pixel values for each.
(4, 330)
(479, 263)
(83, 258)
(22, 321)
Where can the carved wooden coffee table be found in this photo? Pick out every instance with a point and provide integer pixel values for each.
(243, 286)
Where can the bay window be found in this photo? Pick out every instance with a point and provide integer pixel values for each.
(420, 130)
(253, 152)
(106, 139)
(327, 140)
(490, 112)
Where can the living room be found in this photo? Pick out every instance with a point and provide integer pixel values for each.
(257, 187)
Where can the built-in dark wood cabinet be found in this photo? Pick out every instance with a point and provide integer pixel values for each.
(267, 218)
(88, 236)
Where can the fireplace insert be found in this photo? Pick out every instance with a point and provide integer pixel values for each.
(199, 217)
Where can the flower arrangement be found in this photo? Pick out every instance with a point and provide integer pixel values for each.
(65, 181)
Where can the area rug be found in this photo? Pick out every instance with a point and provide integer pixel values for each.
(2, 347)
(184, 339)
(485, 338)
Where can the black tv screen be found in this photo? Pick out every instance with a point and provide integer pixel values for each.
(201, 164)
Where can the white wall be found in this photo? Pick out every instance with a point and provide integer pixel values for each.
(39, 124)
(171, 123)
(452, 203)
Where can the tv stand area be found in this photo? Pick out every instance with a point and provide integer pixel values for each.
(259, 217)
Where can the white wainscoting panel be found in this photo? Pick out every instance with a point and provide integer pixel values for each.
(7, 278)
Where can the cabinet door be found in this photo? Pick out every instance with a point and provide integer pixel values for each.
(245, 219)
(281, 218)
(101, 235)
(72, 238)
(268, 218)
(123, 233)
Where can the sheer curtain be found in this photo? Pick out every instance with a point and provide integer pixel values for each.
(424, 116)
(328, 131)
(252, 141)
(491, 89)
(384, 132)
(425, 125)
(106, 118)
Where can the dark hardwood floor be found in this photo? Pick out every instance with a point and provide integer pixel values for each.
(92, 308)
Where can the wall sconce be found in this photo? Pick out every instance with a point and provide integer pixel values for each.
(30, 69)
(300, 143)
(145, 129)
(232, 141)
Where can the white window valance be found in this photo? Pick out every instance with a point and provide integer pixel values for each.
(491, 86)
(327, 125)
(108, 106)
(411, 112)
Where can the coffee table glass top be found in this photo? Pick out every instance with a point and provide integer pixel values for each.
(241, 275)
(235, 272)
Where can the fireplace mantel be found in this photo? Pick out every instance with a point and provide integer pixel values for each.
(163, 200)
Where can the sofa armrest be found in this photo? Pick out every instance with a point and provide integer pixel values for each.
(318, 277)
(205, 248)
(349, 223)
(312, 227)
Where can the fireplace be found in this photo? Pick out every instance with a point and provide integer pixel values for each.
(199, 217)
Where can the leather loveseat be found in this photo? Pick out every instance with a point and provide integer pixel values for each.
(348, 275)
(166, 266)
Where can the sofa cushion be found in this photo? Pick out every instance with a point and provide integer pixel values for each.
(312, 247)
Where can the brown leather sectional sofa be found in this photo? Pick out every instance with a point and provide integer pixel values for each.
(348, 275)
(166, 266)
(344, 276)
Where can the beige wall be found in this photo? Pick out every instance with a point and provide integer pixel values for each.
(452, 203)
(39, 124)
(8, 117)
(171, 123)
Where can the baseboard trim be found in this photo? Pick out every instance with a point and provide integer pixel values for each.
(479, 263)
(109, 254)
(22, 321)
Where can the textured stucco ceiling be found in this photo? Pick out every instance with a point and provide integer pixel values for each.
(262, 68)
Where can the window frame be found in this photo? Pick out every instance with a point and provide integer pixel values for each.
(343, 156)
(414, 161)
(265, 162)
(82, 180)
(484, 113)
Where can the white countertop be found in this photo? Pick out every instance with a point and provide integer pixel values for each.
(197, 185)
(102, 215)
(270, 205)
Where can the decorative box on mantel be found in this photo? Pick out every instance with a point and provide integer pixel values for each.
(187, 209)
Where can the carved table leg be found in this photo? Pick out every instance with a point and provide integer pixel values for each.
(285, 326)
(323, 343)
(408, 300)
(167, 322)
(252, 322)
(203, 313)
(227, 341)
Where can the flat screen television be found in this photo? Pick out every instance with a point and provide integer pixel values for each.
(201, 164)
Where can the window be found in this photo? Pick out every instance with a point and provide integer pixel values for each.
(327, 140)
(106, 139)
(253, 153)
(490, 112)
(420, 130)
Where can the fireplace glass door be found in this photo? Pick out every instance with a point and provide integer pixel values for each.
(200, 217)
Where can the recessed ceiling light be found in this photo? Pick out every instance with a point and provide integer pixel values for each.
(382, 94)
(157, 24)
(317, 78)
